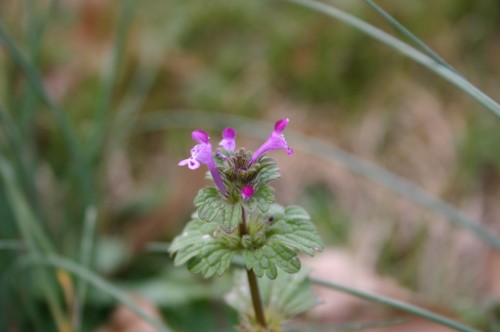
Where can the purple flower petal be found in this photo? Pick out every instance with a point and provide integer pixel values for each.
(280, 125)
(229, 133)
(202, 154)
(276, 141)
(228, 139)
(191, 162)
(200, 136)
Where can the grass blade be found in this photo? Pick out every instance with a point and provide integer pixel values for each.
(329, 152)
(408, 34)
(96, 144)
(36, 30)
(403, 306)
(23, 162)
(395, 183)
(62, 121)
(86, 251)
(109, 80)
(35, 237)
(95, 280)
(14, 245)
(405, 49)
(128, 111)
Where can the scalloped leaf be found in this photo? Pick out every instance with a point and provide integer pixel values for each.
(192, 241)
(262, 199)
(295, 230)
(268, 257)
(212, 207)
(215, 259)
(231, 217)
(267, 170)
(201, 250)
(209, 203)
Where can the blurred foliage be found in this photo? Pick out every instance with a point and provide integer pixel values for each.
(251, 58)
(332, 222)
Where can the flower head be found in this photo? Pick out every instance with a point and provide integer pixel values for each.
(228, 139)
(276, 141)
(202, 154)
(247, 192)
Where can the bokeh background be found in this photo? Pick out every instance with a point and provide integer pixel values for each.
(132, 79)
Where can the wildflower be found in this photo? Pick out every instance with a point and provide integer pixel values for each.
(276, 141)
(247, 192)
(202, 154)
(228, 139)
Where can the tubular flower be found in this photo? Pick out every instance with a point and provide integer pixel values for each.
(247, 192)
(276, 141)
(228, 139)
(202, 154)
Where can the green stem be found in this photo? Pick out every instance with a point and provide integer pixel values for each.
(252, 282)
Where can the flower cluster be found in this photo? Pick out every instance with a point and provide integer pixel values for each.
(203, 153)
(241, 218)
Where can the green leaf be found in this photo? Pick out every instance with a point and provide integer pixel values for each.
(267, 170)
(211, 206)
(262, 199)
(231, 217)
(272, 245)
(267, 258)
(204, 251)
(208, 249)
(209, 203)
(296, 231)
(192, 240)
(215, 260)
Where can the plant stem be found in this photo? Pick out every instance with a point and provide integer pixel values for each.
(252, 282)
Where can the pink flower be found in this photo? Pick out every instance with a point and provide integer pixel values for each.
(202, 154)
(247, 192)
(276, 141)
(228, 139)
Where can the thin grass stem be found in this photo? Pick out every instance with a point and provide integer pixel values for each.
(97, 282)
(403, 306)
(109, 80)
(61, 119)
(86, 251)
(23, 166)
(405, 49)
(331, 153)
(408, 34)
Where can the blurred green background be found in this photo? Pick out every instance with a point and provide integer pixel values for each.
(98, 106)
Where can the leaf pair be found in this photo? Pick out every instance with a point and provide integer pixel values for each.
(268, 246)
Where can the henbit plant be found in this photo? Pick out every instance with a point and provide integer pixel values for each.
(240, 219)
